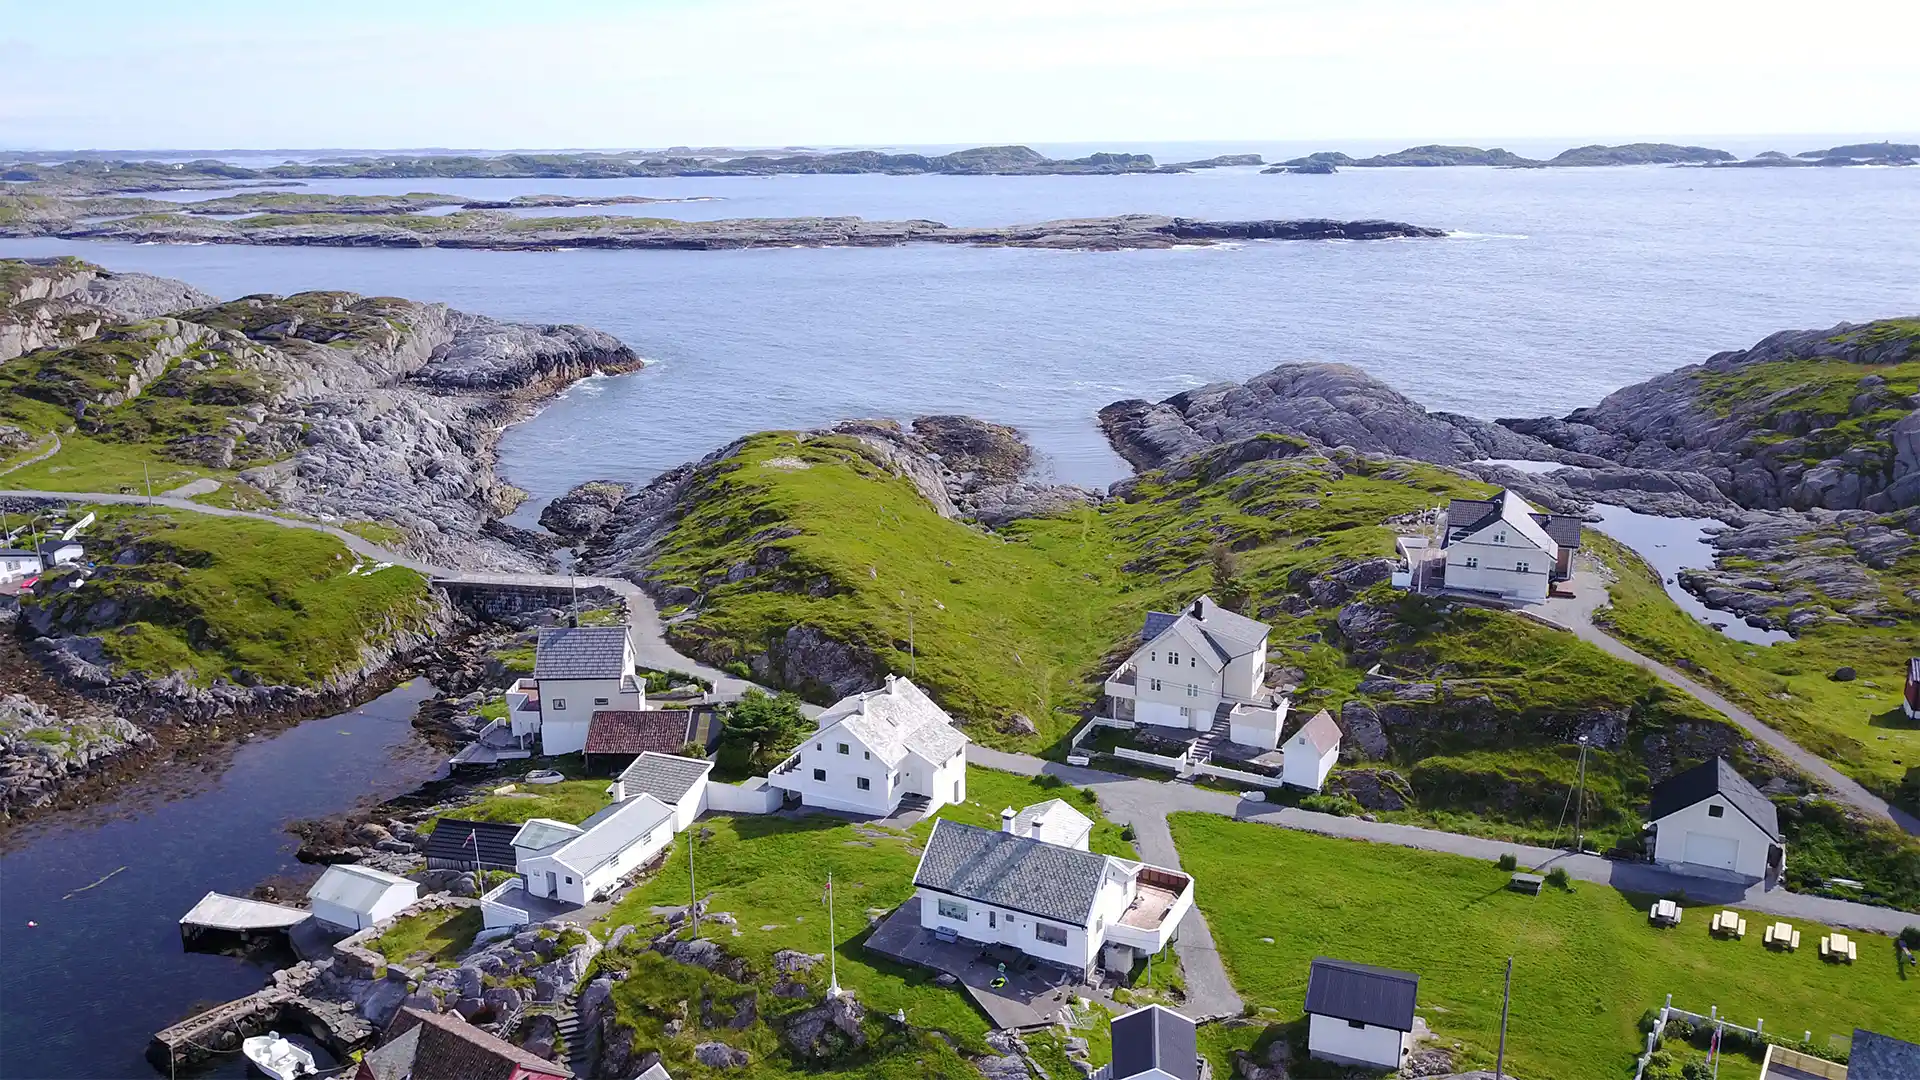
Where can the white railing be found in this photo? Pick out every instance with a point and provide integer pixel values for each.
(1171, 764)
(1205, 768)
(495, 914)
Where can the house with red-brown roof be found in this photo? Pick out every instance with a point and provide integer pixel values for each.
(433, 1046)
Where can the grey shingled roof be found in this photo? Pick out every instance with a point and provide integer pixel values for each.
(1155, 1038)
(1467, 515)
(1345, 990)
(1882, 1057)
(1563, 528)
(1230, 635)
(1710, 778)
(666, 777)
(580, 652)
(1004, 870)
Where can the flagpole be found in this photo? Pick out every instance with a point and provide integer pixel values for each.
(833, 960)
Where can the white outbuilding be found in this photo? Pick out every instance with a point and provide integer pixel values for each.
(1311, 752)
(1709, 821)
(574, 863)
(355, 897)
(1358, 1014)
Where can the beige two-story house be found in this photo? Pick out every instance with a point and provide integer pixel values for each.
(1192, 668)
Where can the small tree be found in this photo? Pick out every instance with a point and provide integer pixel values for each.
(766, 724)
(1229, 588)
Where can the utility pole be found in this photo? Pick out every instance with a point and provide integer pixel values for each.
(147, 471)
(693, 886)
(1580, 801)
(1506, 999)
(833, 958)
(573, 619)
(913, 663)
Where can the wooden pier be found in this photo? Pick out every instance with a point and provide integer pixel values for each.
(220, 913)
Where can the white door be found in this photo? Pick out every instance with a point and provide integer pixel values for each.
(553, 887)
(1718, 852)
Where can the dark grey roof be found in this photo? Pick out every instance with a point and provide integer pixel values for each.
(1563, 528)
(580, 652)
(1154, 1038)
(1882, 1057)
(664, 776)
(1017, 872)
(15, 553)
(454, 840)
(1156, 622)
(1466, 515)
(1710, 778)
(1370, 995)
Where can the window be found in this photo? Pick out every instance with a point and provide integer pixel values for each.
(1716, 811)
(866, 755)
(1356, 1024)
(1052, 935)
(1499, 538)
(1520, 566)
(1154, 656)
(820, 775)
(1193, 661)
(599, 701)
(817, 746)
(1186, 713)
(863, 783)
(1173, 658)
(843, 748)
(559, 703)
(1192, 690)
(1473, 562)
(569, 881)
(1153, 684)
(953, 909)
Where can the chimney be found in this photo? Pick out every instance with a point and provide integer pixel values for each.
(1200, 608)
(1033, 829)
(1006, 820)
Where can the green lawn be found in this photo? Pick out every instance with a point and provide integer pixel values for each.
(438, 936)
(87, 464)
(770, 874)
(1586, 964)
(233, 598)
(568, 800)
(1855, 725)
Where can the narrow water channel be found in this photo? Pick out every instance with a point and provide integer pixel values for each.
(1673, 544)
(86, 977)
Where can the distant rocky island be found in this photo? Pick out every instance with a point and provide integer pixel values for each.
(92, 173)
(384, 221)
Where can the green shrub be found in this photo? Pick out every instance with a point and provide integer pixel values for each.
(1508, 862)
(1337, 805)
(1911, 937)
(1557, 877)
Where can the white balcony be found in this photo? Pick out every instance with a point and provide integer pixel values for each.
(1123, 683)
(523, 707)
(1161, 899)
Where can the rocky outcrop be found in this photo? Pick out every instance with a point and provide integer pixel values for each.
(501, 231)
(1331, 404)
(583, 510)
(53, 303)
(41, 750)
(1803, 419)
(827, 1030)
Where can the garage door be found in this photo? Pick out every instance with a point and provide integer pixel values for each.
(1719, 852)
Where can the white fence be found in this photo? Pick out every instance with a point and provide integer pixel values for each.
(1716, 1019)
(752, 796)
(1236, 775)
(1173, 764)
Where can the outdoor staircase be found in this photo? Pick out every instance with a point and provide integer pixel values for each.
(1203, 747)
(912, 804)
(567, 1020)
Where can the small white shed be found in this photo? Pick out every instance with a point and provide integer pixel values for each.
(574, 863)
(1311, 752)
(1709, 821)
(1358, 1014)
(355, 897)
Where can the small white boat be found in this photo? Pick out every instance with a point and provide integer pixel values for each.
(543, 776)
(274, 1055)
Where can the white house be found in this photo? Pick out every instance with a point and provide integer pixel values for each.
(1358, 1014)
(1310, 754)
(1052, 821)
(1258, 725)
(60, 553)
(679, 782)
(1710, 821)
(577, 671)
(1192, 666)
(574, 863)
(873, 750)
(1071, 908)
(16, 564)
(1153, 1043)
(355, 897)
(1506, 547)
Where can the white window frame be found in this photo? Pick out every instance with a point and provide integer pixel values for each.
(1520, 567)
(599, 701)
(1153, 685)
(948, 908)
(1173, 658)
(863, 783)
(559, 704)
(819, 776)
(1041, 930)
(843, 748)
(1473, 562)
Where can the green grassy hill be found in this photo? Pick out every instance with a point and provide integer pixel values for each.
(230, 598)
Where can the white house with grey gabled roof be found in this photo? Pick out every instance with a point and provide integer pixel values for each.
(1072, 908)
(1193, 667)
(1505, 547)
(577, 671)
(872, 751)
(573, 863)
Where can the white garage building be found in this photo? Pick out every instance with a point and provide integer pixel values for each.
(1358, 1014)
(354, 897)
(1710, 821)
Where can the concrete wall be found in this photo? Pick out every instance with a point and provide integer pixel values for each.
(1670, 842)
(1336, 1040)
(754, 796)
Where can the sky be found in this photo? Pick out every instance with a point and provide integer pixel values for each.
(652, 73)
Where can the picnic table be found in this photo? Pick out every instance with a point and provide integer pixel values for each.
(1839, 949)
(1526, 883)
(1665, 913)
(1730, 924)
(1782, 935)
